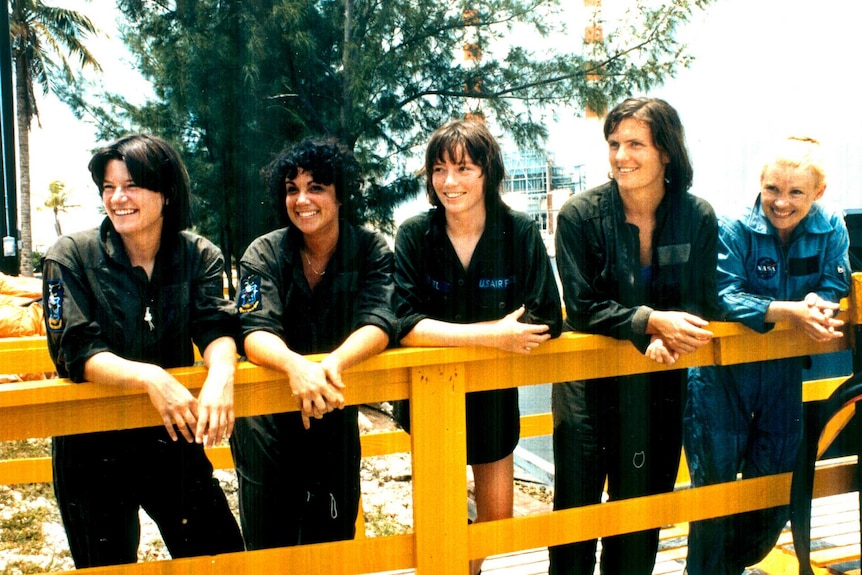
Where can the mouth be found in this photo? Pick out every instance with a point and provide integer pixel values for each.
(125, 212)
(625, 171)
(780, 214)
(453, 195)
(307, 213)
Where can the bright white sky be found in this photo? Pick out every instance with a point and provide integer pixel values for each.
(763, 69)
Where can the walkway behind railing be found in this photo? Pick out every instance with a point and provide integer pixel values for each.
(436, 380)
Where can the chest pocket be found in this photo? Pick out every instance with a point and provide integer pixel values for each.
(803, 266)
(497, 295)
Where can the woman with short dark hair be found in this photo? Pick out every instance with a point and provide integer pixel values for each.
(124, 303)
(471, 271)
(637, 259)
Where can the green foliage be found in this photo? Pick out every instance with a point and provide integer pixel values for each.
(236, 81)
(43, 38)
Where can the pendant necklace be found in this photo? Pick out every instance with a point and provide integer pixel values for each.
(314, 271)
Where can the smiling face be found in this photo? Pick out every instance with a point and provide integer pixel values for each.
(787, 194)
(459, 185)
(636, 162)
(134, 211)
(311, 206)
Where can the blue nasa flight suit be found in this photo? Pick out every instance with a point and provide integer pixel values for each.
(748, 418)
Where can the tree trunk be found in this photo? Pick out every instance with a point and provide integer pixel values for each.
(57, 227)
(23, 120)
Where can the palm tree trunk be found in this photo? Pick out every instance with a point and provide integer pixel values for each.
(23, 121)
(57, 227)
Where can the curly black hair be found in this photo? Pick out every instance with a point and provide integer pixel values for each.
(329, 163)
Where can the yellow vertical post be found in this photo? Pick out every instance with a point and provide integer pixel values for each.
(438, 423)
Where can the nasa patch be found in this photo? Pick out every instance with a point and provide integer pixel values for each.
(54, 306)
(766, 268)
(249, 294)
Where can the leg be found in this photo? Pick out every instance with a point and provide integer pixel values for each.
(493, 430)
(774, 445)
(333, 489)
(269, 500)
(579, 462)
(186, 501)
(494, 484)
(647, 447)
(717, 423)
(96, 501)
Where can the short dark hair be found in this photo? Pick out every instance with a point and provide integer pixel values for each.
(667, 133)
(472, 137)
(155, 165)
(328, 162)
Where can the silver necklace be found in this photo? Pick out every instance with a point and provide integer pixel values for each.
(311, 267)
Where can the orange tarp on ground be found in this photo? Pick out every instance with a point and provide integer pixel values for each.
(20, 308)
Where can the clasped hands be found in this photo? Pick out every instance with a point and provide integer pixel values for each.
(317, 389)
(675, 333)
(816, 317)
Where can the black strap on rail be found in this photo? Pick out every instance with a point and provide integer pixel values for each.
(802, 485)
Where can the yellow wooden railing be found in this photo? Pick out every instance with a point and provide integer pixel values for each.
(435, 379)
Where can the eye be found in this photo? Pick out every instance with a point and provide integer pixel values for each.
(438, 169)
(290, 189)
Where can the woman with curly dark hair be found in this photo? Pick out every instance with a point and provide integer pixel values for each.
(317, 285)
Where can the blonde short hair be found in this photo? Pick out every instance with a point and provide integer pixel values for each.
(798, 152)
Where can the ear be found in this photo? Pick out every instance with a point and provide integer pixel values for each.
(819, 193)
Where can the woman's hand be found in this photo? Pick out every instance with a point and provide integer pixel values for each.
(172, 400)
(815, 316)
(315, 395)
(659, 352)
(512, 335)
(215, 408)
(680, 332)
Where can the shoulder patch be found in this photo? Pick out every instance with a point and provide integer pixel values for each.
(249, 294)
(54, 306)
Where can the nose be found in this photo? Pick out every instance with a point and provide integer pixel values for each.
(450, 178)
(119, 194)
(621, 152)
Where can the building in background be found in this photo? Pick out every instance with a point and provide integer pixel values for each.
(535, 185)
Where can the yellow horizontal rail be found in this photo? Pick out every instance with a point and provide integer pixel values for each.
(436, 380)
